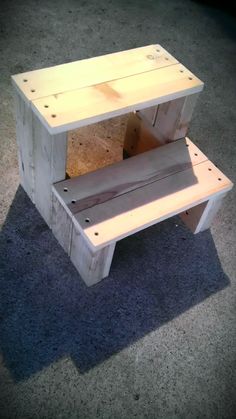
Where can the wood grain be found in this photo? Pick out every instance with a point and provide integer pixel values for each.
(50, 166)
(76, 108)
(25, 146)
(78, 74)
(93, 188)
(140, 208)
(92, 266)
(173, 118)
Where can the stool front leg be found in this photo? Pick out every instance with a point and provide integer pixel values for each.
(50, 153)
(25, 146)
(200, 217)
(92, 266)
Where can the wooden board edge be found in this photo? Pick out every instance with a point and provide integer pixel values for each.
(19, 91)
(152, 222)
(118, 112)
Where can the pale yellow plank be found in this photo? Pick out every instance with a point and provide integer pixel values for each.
(136, 210)
(80, 107)
(78, 74)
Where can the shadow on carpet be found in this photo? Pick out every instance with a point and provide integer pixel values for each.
(46, 311)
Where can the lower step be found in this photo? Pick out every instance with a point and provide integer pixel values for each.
(92, 212)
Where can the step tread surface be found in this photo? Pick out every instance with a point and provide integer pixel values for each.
(119, 200)
(72, 95)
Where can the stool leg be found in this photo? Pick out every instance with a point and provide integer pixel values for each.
(24, 138)
(169, 121)
(92, 266)
(50, 153)
(173, 118)
(200, 217)
(41, 156)
(61, 223)
(159, 125)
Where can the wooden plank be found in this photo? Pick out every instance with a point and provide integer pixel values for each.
(50, 166)
(79, 74)
(25, 146)
(209, 213)
(200, 217)
(61, 224)
(149, 115)
(73, 109)
(181, 128)
(173, 118)
(140, 208)
(92, 266)
(100, 186)
(139, 136)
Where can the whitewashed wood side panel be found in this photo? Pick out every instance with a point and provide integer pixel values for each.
(173, 118)
(185, 116)
(50, 166)
(25, 145)
(61, 224)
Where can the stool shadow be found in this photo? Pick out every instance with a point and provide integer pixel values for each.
(46, 311)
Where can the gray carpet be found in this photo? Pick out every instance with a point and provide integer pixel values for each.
(157, 338)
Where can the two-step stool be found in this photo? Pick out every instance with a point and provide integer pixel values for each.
(163, 177)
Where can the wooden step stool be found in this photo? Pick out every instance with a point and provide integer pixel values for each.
(88, 214)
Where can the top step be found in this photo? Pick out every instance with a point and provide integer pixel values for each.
(72, 95)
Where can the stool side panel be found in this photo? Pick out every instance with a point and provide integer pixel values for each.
(50, 165)
(25, 146)
(61, 224)
(173, 118)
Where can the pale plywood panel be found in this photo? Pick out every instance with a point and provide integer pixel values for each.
(79, 74)
(136, 210)
(88, 190)
(95, 146)
(70, 110)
